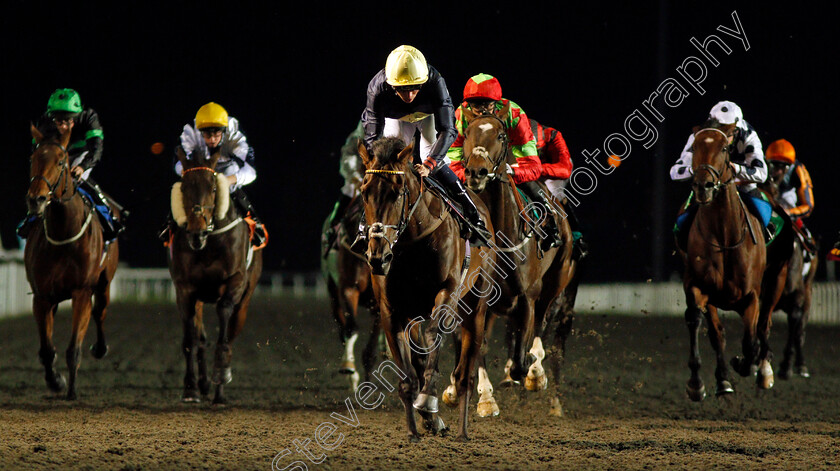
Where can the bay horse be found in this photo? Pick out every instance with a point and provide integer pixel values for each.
(727, 266)
(417, 259)
(349, 286)
(796, 297)
(211, 260)
(65, 258)
(532, 280)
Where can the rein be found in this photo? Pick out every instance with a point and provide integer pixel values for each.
(377, 229)
(505, 146)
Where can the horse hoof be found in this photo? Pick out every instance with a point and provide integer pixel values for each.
(536, 383)
(414, 439)
(785, 371)
(204, 386)
(803, 371)
(98, 351)
(71, 395)
(724, 388)
(694, 393)
(764, 377)
(222, 376)
(190, 397)
(56, 384)
(450, 396)
(435, 426)
(347, 368)
(426, 403)
(556, 409)
(219, 400)
(488, 408)
(462, 438)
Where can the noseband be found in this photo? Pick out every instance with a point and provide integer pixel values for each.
(494, 174)
(377, 229)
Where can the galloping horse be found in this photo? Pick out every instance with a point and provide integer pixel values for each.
(211, 261)
(727, 266)
(65, 258)
(538, 278)
(349, 285)
(416, 256)
(796, 298)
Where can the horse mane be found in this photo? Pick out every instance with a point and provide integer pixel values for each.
(387, 150)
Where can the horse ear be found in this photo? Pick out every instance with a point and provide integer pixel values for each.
(36, 134)
(695, 129)
(213, 159)
(182, 156)
(505, 111)
(467, 113)
(363, 153)
(64, 139)
(406, 154)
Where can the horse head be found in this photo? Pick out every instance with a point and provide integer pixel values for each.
(710, 161)
(49, 170)
(386, 189)
(485, 148)
(200, 198)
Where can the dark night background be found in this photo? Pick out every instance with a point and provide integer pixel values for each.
(295, 76)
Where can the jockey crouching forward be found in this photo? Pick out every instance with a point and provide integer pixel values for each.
(407, 96)
(215, 131)
(66, 114)
(556, 169)
(747, 160)
(483, 95)
(795, 190)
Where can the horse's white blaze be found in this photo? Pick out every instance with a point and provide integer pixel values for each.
(486, 127)
(481, 151)
(708, 140)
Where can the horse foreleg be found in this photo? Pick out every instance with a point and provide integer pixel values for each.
(693, 319)
(523, 339)
(221, 360)
(101, 299)
(346, 316)
(44, 312)
(764, 377)
(746, 365)
(472, 337)
(401, 349)
(201, 349)
(81, 318)
(717, 337)
(369, 354)
(190, 322)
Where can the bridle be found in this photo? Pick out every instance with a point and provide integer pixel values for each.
(198, 209)
(377, 229)
(717, 175)
(494, 173)
(63, 174)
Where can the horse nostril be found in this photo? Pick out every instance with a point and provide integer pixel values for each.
(386, 259)
(483, 172)
(709, 185)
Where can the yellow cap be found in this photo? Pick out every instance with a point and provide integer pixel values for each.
(211, 115)
(406, 66)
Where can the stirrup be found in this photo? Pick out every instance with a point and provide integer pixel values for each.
(479, 236)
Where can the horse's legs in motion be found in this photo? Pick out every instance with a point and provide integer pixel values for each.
(795, 342)
(345, 311)
(565, 317)
(231, 321)
(190, 320)
(370, 351)
(472, 338)
(200, 341)
(717, 337)
(401, 352)
(101, 299)
(693, 319)
(523, 321)
(764, 377)
(427, 400)
(81, 318)
(44, 312)
(745, 365)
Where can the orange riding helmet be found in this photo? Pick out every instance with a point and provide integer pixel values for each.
(781, 151)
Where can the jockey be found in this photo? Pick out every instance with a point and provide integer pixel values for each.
(352, 169)
(483, 95)
(66, 114)
(407, 96)
(796, 192)
(215, 131)
(556, 169)
(746, 158)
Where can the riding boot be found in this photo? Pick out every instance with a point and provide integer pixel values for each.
(111, 226)
(581, 248)
(337, 215)
(552, 238)
(244, 205)
(479, 236)
(168, 228)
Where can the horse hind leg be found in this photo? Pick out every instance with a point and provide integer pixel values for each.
(44, 312)
(694, 387)
(717, 337)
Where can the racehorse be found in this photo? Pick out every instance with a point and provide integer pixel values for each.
(349, 285)
(211, 260)
(65, 258)
(796, 298)
(416, 257)
(531, 279)
(727, 266)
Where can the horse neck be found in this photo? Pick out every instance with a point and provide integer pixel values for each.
(428, 209)
(724, 216)
(65, 217)
(499, 198)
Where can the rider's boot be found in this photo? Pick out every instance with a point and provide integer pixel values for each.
(245, 207)
(111, 226)
(552, 238)
(480, 236)
(331, 233)
(581, 248)
(360, 244)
